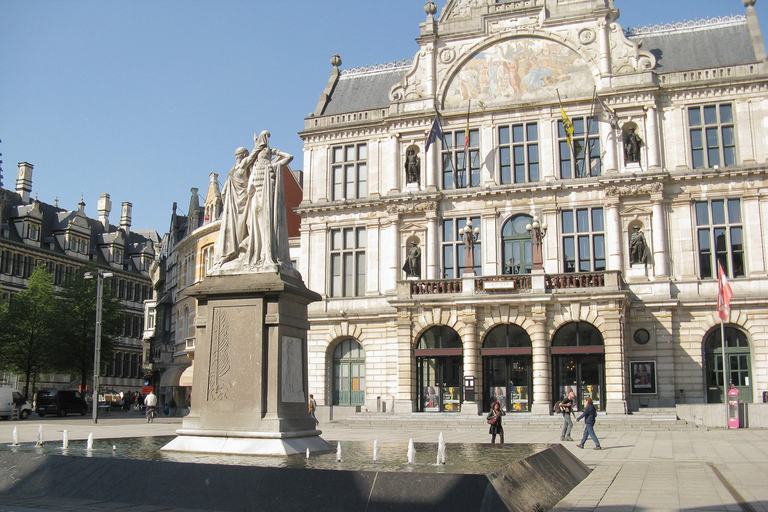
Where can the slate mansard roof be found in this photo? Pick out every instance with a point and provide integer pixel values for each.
(364, 89)
(698, 44)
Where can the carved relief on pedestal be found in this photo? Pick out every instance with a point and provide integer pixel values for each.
(220, 365)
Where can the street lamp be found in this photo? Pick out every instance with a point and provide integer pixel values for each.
(100, 275)
(469, 236)
(537, 231)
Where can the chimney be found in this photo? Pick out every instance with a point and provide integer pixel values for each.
(125, 217)
(104, 207)
(194, 210)
(24, 181)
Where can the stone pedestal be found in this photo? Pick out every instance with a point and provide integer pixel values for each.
(249, 393)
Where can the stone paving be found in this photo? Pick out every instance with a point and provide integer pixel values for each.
(688, 470)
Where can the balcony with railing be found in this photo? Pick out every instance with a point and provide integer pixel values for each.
(572, 282)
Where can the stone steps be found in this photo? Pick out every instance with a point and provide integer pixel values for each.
(659, 420)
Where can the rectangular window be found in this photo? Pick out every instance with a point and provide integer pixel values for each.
(713, 140)
(455, 173)
(519, 153)
(349, 169)
(454, 250)
(208, 253)
(720, 236)
(583, 240)
(348, 262)
(583, 159)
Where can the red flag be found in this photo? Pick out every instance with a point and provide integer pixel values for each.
(724, 294)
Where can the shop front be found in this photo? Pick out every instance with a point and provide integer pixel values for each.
(507, 365)
(578, 363)
(440, 370)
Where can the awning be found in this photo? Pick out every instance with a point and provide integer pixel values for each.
(170, 377)
(186, 377)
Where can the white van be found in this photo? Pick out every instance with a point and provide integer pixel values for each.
(9, 397)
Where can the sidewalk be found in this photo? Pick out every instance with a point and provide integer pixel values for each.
(640, 471)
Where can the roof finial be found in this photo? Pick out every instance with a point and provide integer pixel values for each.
(335, 60)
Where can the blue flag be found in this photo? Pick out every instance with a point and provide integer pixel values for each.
(434, 133)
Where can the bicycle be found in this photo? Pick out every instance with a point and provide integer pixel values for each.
(150, 414)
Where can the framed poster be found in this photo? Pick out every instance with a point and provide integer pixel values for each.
(431, 398)
(643, 377)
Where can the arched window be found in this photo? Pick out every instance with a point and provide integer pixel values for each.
(439, 337)
(578, 362)
(507, 362)
(517, 248)
(348, 373)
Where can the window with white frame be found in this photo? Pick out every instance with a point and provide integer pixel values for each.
(455, 172)
(720, 236)
(454, 250)
(582, 158)
(349, 170)
(208, 253)
(519, 153)
(347, 265)
(713, 141)
(583, 240)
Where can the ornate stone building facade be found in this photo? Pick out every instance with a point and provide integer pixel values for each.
(608, 170)
(32, 231)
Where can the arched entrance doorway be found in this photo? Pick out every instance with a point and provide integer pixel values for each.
(739, 367)
(440, 369)
(507, 365)
(348, 373)
(578, 361)
(517, 247)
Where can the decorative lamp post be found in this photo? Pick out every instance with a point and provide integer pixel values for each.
(469, 236)
(537, 231)
(100, 275)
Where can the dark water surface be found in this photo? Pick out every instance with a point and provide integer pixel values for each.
(356, 456)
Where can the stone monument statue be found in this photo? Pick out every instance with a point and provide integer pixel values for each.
(412, 267)
(249, 373)
(632, 144)
(638, 247)
(253, 234)
(412, 166)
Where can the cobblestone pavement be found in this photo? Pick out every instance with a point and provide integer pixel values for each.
(688, 470)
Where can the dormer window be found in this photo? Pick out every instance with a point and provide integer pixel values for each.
(33, 231)
(117, 256)
(5, 231)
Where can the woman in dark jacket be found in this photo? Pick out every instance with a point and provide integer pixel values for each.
(496, 427)
(589, 415)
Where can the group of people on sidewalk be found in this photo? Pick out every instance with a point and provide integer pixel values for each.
(565, 406)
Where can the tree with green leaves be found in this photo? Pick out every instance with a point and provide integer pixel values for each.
(76, 325)
(28, 328)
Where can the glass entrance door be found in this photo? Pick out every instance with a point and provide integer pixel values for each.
(440, 383)
(508, 381)
(583, 374)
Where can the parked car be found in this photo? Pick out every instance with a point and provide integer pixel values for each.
(10, 398)
(60, 401)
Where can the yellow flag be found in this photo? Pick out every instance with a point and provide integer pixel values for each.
(568, 125)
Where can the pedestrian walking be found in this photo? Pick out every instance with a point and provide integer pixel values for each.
(589, 415)
(312, 407)
(494, 420)
(566, 407)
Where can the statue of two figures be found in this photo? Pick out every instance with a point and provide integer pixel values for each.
(253, 236)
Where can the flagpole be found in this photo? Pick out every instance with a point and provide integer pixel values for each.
(725, 374)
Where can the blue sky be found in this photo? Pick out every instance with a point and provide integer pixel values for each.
(143, 99)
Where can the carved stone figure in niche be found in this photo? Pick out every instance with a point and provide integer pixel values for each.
(638, 247)
(632, 145)
(412, 266)
(412, 166)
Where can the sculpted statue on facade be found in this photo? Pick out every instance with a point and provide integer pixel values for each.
(253, 235)
(638, 247)
(632, 145)
(412, 166)
(412, 267)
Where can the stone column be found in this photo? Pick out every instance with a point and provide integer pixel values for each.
(405, 401)
(542, 394)
(603, 36)
(615, 399)
(652, 135)
(396, 177)
(613, 233)
(471, 361)
(660, 253)
(431, 248)
(610, 160)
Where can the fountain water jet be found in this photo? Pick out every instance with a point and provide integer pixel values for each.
(375, 450)
(440, 449)
(89, 443)
(411, 453)
(64, 440)
(15, 437)
(307, 457)
(40, 435)
(338, 452)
